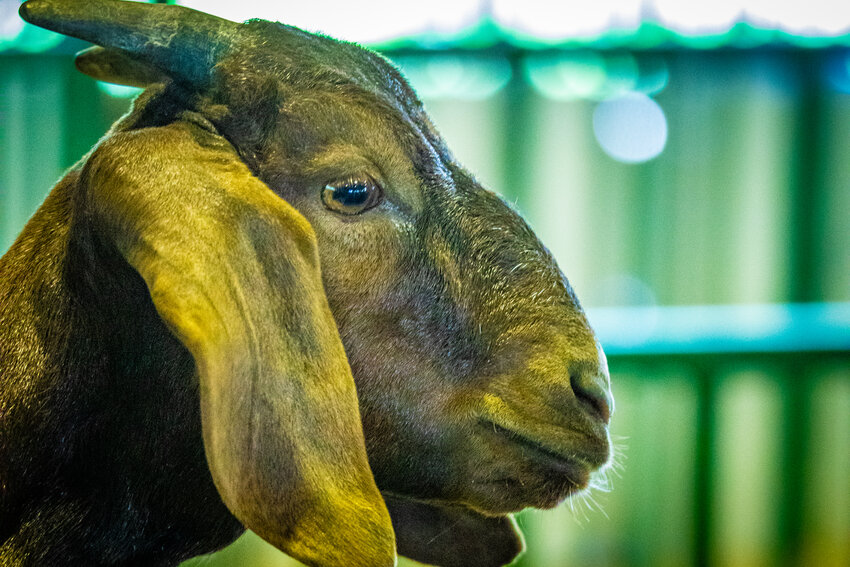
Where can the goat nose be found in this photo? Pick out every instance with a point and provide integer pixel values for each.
(591, 389)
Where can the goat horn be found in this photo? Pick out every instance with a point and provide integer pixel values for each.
(182, 42)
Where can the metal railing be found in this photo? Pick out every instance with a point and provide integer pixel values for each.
(791, 340)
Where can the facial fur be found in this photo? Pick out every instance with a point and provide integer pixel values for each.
(480, 381)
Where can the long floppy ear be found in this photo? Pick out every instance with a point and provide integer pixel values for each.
(233, 271)
(453, 536)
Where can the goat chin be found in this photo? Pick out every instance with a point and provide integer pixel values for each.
(271, 298)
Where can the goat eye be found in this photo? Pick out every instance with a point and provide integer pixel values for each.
(352, 197)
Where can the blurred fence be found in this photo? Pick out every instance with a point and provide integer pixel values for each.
(763, 414)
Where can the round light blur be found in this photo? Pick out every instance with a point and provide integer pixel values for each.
(568, 76)
(455, 77)
(630, 128)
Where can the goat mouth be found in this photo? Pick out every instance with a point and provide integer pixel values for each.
(569, 469)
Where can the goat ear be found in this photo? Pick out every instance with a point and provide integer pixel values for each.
(233, 271)
(453, 536)
(116, 66)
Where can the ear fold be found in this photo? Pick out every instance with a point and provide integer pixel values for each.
(233, 271)
(453, 536)
(116, 66)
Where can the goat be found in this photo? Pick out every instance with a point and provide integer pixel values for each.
(270, 298)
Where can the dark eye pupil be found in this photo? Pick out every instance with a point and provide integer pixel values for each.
(352, 195)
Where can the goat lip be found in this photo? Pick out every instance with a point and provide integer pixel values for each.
(572, 464)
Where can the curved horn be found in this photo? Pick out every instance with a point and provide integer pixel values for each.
(182, 42)
(116, 66)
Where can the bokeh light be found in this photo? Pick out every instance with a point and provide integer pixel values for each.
(590, 75)
(458, 77)
(568, 76)
(631, 128)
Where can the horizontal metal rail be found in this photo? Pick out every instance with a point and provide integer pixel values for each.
(792, 338)
(723, 329)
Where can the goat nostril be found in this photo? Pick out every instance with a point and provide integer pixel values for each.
(593, 396)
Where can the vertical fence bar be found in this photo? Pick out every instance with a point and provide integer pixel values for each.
(804, 285)
(705, 466)
(807, 187)
(796, 402)
(518, 139)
